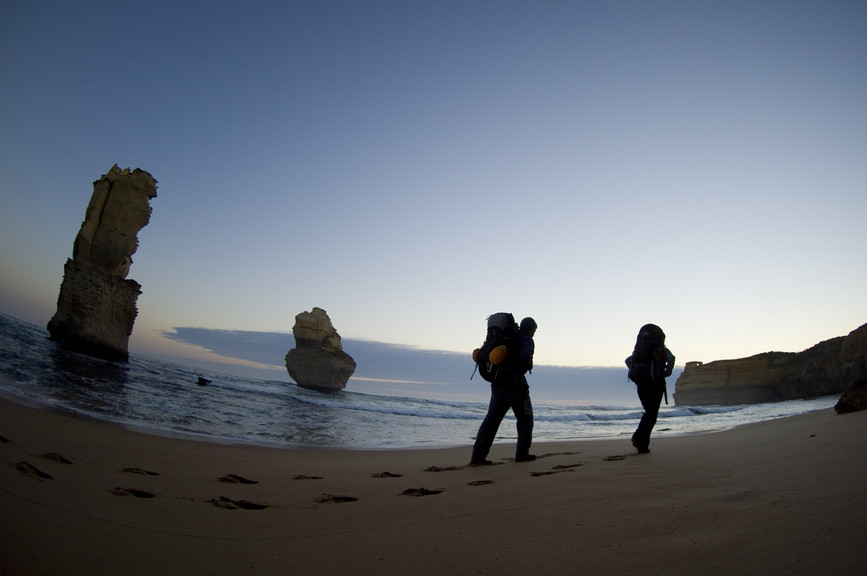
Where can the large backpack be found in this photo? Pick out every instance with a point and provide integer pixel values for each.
(647, 362)
(496, 358)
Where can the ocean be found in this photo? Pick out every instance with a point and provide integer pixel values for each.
(165, 398)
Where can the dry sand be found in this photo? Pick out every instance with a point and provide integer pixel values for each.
(84, 497)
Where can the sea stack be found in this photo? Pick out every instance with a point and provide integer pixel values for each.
(96, 307)
(318, 361)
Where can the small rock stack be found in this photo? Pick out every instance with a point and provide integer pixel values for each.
(318, 361)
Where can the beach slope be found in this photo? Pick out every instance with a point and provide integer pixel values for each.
(778, 497)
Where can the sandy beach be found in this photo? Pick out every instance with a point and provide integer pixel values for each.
(84, 497)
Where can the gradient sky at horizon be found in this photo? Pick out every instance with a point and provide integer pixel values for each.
(412, 167)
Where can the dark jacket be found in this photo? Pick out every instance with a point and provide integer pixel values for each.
(526, 349)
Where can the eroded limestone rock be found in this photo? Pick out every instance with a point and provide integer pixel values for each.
(827, 368)
(853, 399)
(318, 361)
(96, 307)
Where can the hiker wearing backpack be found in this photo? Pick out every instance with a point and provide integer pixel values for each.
(504, 360)
(651, 362)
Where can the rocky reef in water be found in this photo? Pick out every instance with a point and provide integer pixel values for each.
(318, 361)
(829, 367)
(96, 307)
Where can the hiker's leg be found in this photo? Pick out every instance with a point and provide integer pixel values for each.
(523, 409)
(650, 396)
(497, 409)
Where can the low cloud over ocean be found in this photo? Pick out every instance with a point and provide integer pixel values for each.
(393, 369)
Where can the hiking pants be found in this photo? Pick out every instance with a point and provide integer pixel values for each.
(650, 394)
(502, 398)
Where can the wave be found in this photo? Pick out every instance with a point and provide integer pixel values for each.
(163, 396)
(398, 407)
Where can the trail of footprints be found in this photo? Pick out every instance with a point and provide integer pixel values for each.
(227, 503)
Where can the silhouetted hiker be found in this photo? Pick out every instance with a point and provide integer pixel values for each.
(511, 392)
(651, 362)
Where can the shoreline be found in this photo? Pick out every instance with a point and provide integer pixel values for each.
(670, 425)
(190, 436)
(779, 496)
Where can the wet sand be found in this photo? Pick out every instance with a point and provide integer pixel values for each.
(85, 497)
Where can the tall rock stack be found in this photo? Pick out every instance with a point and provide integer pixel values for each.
(318, 361)
(96, 307)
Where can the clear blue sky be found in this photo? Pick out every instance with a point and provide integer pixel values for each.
(412, 167)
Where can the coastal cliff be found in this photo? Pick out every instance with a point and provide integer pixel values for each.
(827, 368)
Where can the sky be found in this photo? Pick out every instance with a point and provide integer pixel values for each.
(413, 167)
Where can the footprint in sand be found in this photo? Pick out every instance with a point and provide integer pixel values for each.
(419, 492)
(439, 469)
(549, 454)
(305, 477)
(5, 440)
(140, 471)
(229, 504)
(54, 456)
(119, 491)
(336, 498)
(235, 479)
(549, 472)
(483, 464)
(386, 475)
(32, 471)
(616, 457)
(480, 482)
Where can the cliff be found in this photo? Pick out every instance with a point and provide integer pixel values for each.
(96, 307)
(827, 368)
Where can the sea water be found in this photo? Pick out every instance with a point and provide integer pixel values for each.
(165, 398)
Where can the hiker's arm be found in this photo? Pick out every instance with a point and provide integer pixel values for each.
(528, 348)
(669, 362)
